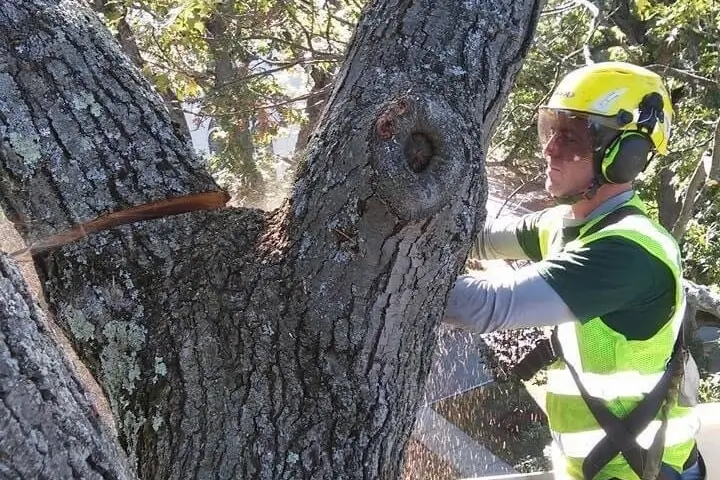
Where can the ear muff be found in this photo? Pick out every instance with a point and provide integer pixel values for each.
(625, 157)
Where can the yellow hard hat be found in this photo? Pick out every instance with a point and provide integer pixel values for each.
(619, 96)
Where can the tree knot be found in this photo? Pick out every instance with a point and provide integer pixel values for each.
(418, 155)
(419, 150)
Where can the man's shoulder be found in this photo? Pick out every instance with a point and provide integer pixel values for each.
(638, 236)
(630, 261)
(614, 278)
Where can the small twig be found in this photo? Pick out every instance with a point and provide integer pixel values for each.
(691, 77)
(594, 22)
(515, 192)
(561, 9)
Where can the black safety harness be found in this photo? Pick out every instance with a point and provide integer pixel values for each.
(621, 434)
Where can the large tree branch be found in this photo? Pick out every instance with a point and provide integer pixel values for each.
(703, 298)
(707, 167)
(90, 144)
(49, 427)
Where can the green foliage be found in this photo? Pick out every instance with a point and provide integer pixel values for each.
(245, 64)
(710, 388)
(701, 248)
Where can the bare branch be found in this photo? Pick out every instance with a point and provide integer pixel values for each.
(685, 75)
(289, 101)
(708, 167)
(594, 22)
(695, 186)
(711, 162)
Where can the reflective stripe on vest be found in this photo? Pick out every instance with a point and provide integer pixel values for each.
(680, 430)
(607, 387)
(634, 368)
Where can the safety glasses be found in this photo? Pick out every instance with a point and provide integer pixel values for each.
(575, 134)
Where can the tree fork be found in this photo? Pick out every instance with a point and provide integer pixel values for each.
(239, 343)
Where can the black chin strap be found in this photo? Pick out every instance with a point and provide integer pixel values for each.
(586, 194)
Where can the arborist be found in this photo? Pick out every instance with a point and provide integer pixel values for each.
(621, 385)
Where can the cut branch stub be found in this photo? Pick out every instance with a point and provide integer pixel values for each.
(416, 159)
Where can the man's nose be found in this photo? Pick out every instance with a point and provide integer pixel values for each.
(551, 147)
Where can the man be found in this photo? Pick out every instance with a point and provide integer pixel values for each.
(620, 386)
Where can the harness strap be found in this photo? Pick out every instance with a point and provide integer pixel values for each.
(621, 433)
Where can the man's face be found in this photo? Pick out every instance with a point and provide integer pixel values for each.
(567, 146)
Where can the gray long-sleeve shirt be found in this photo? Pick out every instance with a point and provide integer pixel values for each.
(522, 298)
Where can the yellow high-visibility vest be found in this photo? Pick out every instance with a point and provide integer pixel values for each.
(612, 368)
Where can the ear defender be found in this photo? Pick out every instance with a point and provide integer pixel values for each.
(627, 155)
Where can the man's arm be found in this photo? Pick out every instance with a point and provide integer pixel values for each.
(508, 238)
(615, 279)
(520, 300)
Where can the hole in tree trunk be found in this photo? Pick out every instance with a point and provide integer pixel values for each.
(419, 151)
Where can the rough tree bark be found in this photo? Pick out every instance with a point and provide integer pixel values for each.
(703, 299)
(233, 343)
(49, 427)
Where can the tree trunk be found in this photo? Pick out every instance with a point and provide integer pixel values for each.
(668, 204)
(229, 67)
(622, 14)
(234, 343)
(49, 427)
(693, 190)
